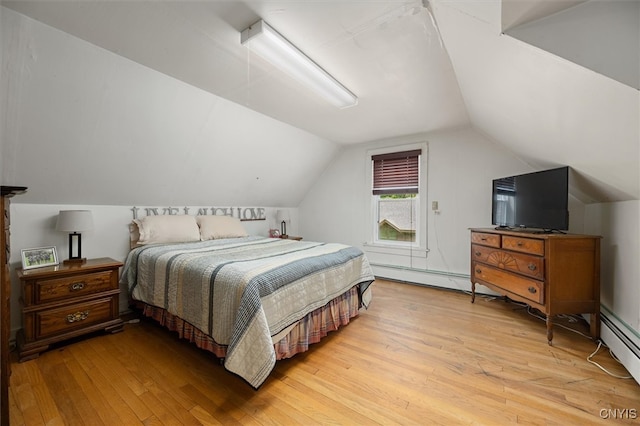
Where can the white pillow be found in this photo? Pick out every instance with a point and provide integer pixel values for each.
(215, 227)
(167, 229)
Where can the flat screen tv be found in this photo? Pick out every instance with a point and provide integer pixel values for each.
(536, 200)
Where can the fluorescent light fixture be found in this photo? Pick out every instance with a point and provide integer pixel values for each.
(268, 43)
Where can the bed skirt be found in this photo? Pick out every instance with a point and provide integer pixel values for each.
(310, 329)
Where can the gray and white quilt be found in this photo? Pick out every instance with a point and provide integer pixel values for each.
(243, 291)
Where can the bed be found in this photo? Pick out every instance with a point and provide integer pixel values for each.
(249, 300)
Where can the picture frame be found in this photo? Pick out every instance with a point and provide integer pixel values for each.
(274, 233)
(39, 257)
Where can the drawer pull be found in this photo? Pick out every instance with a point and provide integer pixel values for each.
(478, 271)
(519, 243)
(477, 253)
(532, 290)
(483, 239)
(532, 267)
(78, 316)
(76, 286)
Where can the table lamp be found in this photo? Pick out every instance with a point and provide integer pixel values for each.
(75, 222)
(283, 217)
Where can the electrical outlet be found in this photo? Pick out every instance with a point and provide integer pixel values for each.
(434, 205)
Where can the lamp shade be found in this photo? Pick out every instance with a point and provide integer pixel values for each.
(74, 221)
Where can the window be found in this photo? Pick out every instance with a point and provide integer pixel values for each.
(395, 191)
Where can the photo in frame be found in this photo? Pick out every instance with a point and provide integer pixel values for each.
(39, 257)
(274, 233)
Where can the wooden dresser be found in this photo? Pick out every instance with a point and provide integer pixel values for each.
(554, 273)
(6, 192)
(64, 301)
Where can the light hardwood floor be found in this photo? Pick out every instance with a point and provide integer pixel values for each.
(417, 356)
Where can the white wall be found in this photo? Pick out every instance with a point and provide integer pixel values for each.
(619, 225)
(3, 89)
(460, 168)
(33, 225)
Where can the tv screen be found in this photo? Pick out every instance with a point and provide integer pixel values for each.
(534, 200)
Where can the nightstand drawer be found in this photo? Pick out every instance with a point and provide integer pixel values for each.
(73, 286)
(60, 320)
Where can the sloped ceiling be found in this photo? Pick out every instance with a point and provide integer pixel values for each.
(416, 66)
(521, 12)
(583, 34)
(388, 53)
(547, 110)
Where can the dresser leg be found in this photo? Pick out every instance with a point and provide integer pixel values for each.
(594, 325)
(549, 330)
(473, 292)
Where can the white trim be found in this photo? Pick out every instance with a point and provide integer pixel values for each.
(423, 276)
(419, 247)
(400, 250)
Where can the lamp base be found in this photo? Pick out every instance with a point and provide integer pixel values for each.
(75, 261)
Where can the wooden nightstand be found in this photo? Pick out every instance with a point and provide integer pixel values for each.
(64, 301)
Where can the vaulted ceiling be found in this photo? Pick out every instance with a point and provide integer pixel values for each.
(416, 66)
(388, 53)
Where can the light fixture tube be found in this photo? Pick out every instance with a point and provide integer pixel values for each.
(268, 43)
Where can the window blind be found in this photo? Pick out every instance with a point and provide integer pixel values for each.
(396, 173)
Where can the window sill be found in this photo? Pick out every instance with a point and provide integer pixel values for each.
(389, 249)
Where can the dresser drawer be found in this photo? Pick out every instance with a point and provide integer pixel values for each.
(524, 245)
(532, 266)
(48, 290)
(517, 284)
(492, 240)
(68, 318)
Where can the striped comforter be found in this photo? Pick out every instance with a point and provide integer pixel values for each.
(243, 291)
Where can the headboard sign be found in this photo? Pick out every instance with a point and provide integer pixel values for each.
(242, 213)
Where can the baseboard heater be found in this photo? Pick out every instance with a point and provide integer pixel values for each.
(621, 344)
(620, 335)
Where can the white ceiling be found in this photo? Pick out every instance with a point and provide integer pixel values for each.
(387, 52)
(582, 33)
(415, 69)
